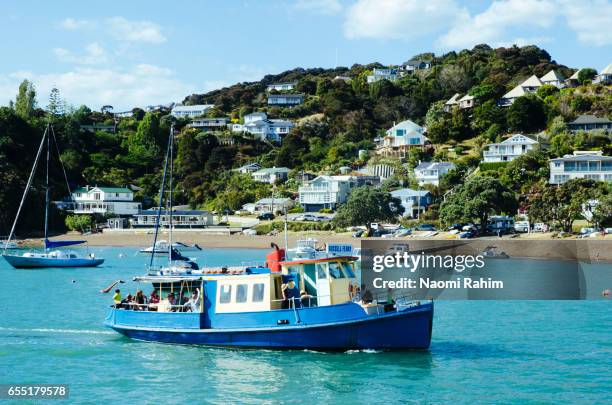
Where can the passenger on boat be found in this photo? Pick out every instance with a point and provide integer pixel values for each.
(193, 305)
(140, 301)
(127, 301)
(117, 297)
(154, 299)
(366, 295)
(292, 294)
(305, 299)
(285, 302)
(172, 302)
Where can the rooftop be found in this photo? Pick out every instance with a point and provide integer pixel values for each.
(590, 119)
(192, 107)
(551, 76)
(408, 192)
(104, 189)
(271, 170)
(435, 165)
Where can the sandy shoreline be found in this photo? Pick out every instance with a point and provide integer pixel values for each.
(531, 246)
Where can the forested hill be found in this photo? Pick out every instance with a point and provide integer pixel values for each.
(338, 118)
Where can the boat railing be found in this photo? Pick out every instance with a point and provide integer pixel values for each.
(149, 307)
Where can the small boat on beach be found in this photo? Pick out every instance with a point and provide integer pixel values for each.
(492, 252)
(50, 257)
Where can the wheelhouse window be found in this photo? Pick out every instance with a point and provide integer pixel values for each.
(241, 293)
(348, 270)
(321, 271)
(258, 292)
(225, 295)
(335, 271)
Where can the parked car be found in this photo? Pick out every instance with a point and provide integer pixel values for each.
(306, 217)
(359, 233)
(521, 226)
(265, 216)
(425, 227)
(321, 218)
(540, 227)
(455, 227)
(467, 235)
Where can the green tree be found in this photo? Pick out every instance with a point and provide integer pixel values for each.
(586, 75)
(602, 213)
(143, 144)
(79, 223)
(366, 205)
(526, 114)
(477, 199)
(56, 105)
(562, 204)
(25, 102)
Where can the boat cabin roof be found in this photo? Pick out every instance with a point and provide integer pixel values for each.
(319, 260)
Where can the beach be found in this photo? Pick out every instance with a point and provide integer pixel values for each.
(534, 245)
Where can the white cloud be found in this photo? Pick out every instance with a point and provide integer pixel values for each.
(324, 7)
(590, 19)
(135, 31)
(94, 55)
(399, 19)
(492, 26)
(74, 24)
(140, 85)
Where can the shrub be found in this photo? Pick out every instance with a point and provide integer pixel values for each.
(326, 211)
(78, 222)
(492, 166)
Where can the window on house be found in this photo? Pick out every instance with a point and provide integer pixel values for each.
(241, 293)
(258, 292)
(225, 295)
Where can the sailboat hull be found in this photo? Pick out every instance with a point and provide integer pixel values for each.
(21, 262)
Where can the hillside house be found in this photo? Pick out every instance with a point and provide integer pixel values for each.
(509, 149)
(326, 192)
(281, 86)
(402, 137)
(431, 172)
(581, 165)
(104, 201)
(590, 123)
(415, 202)
(190, 111)
(271, 175)
(605, 76)
(383, 74)
(285, 100)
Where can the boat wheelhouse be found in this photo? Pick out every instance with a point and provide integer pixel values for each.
(297, 304)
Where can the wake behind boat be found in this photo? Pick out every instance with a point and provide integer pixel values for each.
(48, 258)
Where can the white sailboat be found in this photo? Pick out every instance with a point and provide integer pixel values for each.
(51, 257)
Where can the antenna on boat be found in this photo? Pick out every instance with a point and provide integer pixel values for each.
(170, 185)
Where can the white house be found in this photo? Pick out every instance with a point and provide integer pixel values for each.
(466, 101)
(431, 172)
(273, 205)
(529, 86)
(581, 165)
(270, 175)
(383, 74)
(248, 168)
(285, 100)
(553, 78)
(105, 200)
(258, 125)
(180, 219)
(281, 86)
(402, 137)
(509, 149)
(414, 202)
(190, 111)
(452, 102)
(326, 192)
(605, 76)
(210, 124)
(416, 64)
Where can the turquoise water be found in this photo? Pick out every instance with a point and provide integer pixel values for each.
(482, 351)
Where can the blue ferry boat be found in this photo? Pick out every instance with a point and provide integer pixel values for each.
(249, 307)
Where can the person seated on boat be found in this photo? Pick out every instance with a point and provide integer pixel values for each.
(366, 295)
(154, 298)
(140, 301)
(293, 294)
(117, 298)
(172, 302)
(127, 302)
(305, 299)
(193, 305)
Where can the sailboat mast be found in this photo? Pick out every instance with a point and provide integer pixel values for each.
(170, 185)
(27, 188)
(47, 189)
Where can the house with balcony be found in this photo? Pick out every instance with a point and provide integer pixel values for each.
(452, 102)
(400, 138)
(104, 201)
(185, 219)
(466, 101)
(591, 165)
(590, 123)
(383, 74)
(431, 172)
(281, 86)
(326, 192)
(605, 76)
(271, 175)
(416, 64)
(285, 100)
(529, 86)
(415, 202)
(509, 149)
(262, 128)
(190, 111)
(248, 168)
(209, 124)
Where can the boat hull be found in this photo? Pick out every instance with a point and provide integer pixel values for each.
(20, 262)
(403, 330)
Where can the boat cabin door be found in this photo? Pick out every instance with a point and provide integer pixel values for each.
(323, 290)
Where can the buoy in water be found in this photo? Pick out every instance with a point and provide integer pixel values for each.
(605, 293)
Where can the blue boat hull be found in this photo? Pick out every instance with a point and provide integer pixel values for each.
(20, 262)
(407, 329)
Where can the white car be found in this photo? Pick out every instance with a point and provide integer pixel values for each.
(521, 226)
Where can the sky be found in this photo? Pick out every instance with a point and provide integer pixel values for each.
(139, 53)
